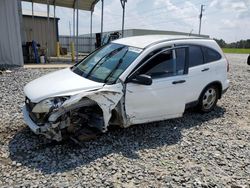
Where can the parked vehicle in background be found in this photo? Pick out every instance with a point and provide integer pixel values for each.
(129, 81)
(110, 37)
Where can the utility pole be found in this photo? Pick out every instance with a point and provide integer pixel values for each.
(202, 9)
(123, 2)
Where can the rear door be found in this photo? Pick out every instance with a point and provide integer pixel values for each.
(203, 69)
(165, 98)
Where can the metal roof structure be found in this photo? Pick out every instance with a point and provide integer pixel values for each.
(37, 14)
(76, 5)
(87, 5)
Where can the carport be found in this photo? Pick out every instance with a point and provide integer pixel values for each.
(87, 5)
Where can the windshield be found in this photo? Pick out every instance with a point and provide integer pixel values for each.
(108, 63)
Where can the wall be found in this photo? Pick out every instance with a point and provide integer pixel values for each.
(138, 32)
(10, 39)
(39, 32)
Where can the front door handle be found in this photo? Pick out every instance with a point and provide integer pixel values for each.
(206, 69)
(178, 81)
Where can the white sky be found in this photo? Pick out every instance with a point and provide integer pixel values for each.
(226, 19)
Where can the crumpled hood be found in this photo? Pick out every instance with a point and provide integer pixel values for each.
(59, 83)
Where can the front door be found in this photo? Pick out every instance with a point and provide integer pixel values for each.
(165, 97)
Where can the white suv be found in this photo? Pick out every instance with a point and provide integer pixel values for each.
(129, 81)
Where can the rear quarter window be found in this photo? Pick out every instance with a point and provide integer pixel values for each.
(210, 55)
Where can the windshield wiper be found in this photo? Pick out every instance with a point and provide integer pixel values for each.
(107, 55)
(116, 67)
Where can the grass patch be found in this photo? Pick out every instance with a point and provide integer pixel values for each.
(236, 50)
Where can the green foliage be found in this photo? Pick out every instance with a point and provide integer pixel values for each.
(236, 50)
(239, 44)
(221, 43)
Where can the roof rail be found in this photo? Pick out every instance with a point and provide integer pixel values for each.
(166, 40)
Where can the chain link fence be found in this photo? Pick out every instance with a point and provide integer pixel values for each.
(85, 44)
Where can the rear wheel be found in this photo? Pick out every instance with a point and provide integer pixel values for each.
(208, 99)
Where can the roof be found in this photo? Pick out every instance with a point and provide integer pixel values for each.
(83, 4)
(145, 40)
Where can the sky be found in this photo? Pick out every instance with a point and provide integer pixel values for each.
(222, 19)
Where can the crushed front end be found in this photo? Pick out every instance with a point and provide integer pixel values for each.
(38, 119)
(55, 116)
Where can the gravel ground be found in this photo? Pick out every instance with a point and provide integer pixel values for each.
(210, 150)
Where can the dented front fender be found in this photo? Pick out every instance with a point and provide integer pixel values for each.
(107, 98)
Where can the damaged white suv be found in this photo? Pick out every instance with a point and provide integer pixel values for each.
(129, 81)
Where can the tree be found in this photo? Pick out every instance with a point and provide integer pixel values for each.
(221, 43)
(238, 44)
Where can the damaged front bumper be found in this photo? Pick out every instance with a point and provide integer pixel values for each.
(34, 127)
(49, 130)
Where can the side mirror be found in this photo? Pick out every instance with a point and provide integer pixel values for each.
(248, 60)
(142, 79)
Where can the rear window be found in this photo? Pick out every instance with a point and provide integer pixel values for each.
(210, 55)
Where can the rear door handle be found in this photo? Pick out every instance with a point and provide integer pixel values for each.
(206, 69)
(178, 81)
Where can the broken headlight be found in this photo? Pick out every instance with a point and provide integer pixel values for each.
(48, 105)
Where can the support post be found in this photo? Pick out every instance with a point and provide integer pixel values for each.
(57, 46)
(33, 24)
(70, 34)
(77, 30)
(102, 21)
(72, 48)
(73, 38)
(74, 24)
(54, 14)
(48, 50)
(91, 31)
(123, 3)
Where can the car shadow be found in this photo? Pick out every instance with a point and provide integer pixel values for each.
(47, 156)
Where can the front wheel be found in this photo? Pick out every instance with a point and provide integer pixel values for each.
(208, 99)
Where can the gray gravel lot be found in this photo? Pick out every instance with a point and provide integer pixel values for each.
(209, 150)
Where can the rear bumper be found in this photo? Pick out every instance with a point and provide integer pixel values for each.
(224, 91)
(225, 87)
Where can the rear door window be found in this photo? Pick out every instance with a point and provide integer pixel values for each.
(210, 55)
(195, 56)
(180, 60)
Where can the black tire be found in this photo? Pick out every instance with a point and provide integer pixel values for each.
(208, 98)
(248, 60)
